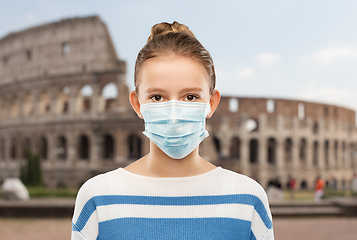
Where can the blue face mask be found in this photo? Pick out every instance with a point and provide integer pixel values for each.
(176, 127)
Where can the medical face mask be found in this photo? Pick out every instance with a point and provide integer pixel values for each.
(176, 127)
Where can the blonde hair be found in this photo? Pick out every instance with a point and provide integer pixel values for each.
(174, 38)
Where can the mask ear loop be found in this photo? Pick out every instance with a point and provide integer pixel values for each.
(208, 109)
(140, 115)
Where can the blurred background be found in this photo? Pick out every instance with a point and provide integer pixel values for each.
(287, 117)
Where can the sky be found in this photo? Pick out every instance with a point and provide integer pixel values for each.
(304, 50)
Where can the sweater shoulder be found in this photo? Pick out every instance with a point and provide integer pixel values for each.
(241, 184)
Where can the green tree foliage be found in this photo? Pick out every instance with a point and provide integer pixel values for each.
(31, 174)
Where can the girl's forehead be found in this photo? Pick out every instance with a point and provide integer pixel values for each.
(175, 72)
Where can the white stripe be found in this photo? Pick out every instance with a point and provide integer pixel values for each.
(237, 211)
(91, 228)
(258, 226)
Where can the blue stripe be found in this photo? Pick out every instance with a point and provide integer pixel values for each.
(247, 199)
(175, 228)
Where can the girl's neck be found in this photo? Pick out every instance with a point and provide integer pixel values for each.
(158, 164)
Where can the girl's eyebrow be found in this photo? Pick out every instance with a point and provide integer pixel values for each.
(150, 90)
(191, 90)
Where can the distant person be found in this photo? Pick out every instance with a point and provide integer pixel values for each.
(319, 189)
(172, 192)
(292, 187)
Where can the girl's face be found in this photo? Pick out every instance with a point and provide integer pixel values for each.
(171, 77)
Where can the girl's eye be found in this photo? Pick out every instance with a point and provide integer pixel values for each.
(191, 98)
(156, 98)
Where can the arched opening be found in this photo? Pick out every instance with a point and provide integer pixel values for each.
(336, 152)
(25, 147)
(271, 151)
(13, 150)
(235, 148)
(27, 105)
(43, 148)
(108, 147)
(301, 111)
(252, 125)
(3, 108)
(303, 185)
(134, 146)
(14, 111)
(326, 151)
(217, 145)
(302, 151)
(110, 94)
(233, 105)
(83, 147)
(315, 153)
(61, 149)
(44, 103)
(270, 106)
(253, 151)
(2, 149)
(352, 154)
(344, 153)
(66, 48)
(288, 145)
(315, 128)
(63, 100)
(86, 94)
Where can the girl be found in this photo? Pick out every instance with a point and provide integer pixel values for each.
(172, 192)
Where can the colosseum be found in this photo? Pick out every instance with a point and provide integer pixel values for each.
(54, 85)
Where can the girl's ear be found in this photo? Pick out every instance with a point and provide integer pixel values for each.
(134, 101)
(215, 98)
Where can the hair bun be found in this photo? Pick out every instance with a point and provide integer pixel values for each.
(164, 28)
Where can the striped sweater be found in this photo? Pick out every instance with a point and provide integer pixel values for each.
(219, 204)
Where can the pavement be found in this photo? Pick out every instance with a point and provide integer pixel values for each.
(63, 207)
(284, 228)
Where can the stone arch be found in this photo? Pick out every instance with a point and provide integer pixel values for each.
(108, 146)
(271, 150)
(134, 146)
(13, 149)
(83, 147)
(235, 148)
(315, 153)
(14, 107)
(43, 148)
(288, 145)
(110, 93)
(63, 100)
(28, 107)
(253, 151)
(44, 102)
(302, 149)
(61, 148)
(326, 152)
(85, 98)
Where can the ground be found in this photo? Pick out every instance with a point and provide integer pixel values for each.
(284, 228)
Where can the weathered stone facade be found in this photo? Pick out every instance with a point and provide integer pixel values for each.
(52, 83)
